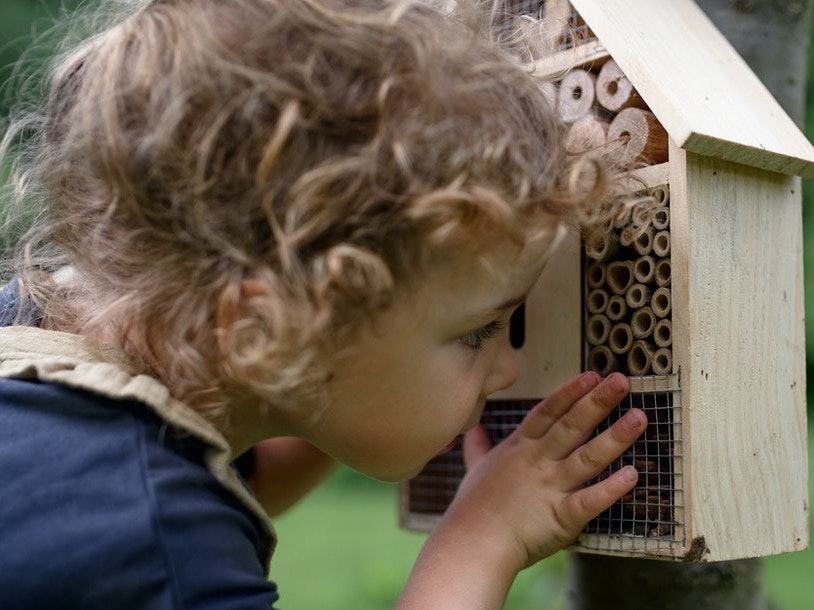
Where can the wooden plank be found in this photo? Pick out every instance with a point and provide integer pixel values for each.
(739, 342)
(702, 91)
(629, 546)
(551, 352)
(589, 55)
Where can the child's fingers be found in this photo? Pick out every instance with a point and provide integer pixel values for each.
(590, 459)
(583, 505)
(577, 423)
(540, 419)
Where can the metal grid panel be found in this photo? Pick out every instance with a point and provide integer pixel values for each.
(650, 519)
(562, 27)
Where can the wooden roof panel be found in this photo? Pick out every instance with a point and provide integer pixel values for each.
(701, 90)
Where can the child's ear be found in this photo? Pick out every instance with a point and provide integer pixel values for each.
(231, 307)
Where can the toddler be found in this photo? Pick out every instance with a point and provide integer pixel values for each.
(292, 231)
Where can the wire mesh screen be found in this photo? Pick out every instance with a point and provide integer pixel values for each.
(560, 25)
(431, 491)
(648, 521)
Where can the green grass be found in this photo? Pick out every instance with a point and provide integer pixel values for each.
(341, 547)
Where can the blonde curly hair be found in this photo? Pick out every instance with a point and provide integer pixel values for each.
(321, 148)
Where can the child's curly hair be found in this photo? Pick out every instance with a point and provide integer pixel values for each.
(320, 148)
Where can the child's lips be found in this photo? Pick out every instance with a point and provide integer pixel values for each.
(450, 446)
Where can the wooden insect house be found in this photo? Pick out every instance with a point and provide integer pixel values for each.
(698, 298)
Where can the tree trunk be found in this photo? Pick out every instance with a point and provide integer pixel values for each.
(597, 582)
(773, 37)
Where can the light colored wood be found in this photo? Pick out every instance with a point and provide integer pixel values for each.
(738, 340)
(576, 95)
(589, 55)
(586, 134)
(552, 352)
(705, 95)
(625, 546)
(647, 177)
(641, 136)
(614, 91)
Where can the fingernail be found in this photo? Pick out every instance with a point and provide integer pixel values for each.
(591, 377)
(630, 474)
(620, 382)
(632, 420)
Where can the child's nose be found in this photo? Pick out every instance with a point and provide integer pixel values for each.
(505, 370)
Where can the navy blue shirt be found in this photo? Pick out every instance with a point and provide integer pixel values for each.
(105, 506)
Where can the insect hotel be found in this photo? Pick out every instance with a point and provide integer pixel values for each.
(698, 298)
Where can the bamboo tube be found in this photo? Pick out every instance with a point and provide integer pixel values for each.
(639, 358)
(596, 274)
(601, 360)
(628, 235)
(641, 215)
(597, 301)
(638, 295)
(587, 133)
(662, 361)
(664, 272)
(597, 329)
(614, 90)
(643, 244)
(663, 333)
(619, 276)
(576, 95)
(641, 135)
(661, 195)
(602, 249)
(661, 243)
(616, 309)
(620, 338)
(644, 269)
(661, 218)
(662, 302)
(642, 323)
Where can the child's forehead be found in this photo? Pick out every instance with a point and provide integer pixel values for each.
(499, 259)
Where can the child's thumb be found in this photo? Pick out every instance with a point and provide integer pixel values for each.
(476, 445)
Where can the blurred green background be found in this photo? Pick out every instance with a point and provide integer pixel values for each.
(341, 547)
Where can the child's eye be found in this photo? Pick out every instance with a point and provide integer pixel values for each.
(477, 338)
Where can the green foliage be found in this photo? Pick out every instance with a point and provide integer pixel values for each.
(22, 23)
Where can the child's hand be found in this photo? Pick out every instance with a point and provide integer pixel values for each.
(525, 499)
(529, 489)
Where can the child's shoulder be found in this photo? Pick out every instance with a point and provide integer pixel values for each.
(109, 505)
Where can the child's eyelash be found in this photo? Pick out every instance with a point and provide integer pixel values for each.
(477, 338)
